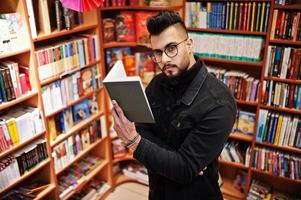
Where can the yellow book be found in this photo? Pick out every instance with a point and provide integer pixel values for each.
(208, 14)
(275, 15)
(13, 131)
(249, 16)
(278, 130)
(235, 16)
(253, 17)
(231, 15)
(52, 129)
(262, 16)
(86, 50)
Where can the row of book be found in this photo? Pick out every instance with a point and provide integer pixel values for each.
(114, 3)
(68, 55)
(14, 80)
(45, 16)
(279, 129)
(277, 163)
(243, 86)
(283, 62)
(18, 125)
(65, 120)
(26, 190)
(243, 48)
(285, 2)
(66, 151)
(93, 190)
(233, 152)
(137, 172)
(247, 16)
(14, 166)
(127, 26)
(138, 63)
(286, 25)
(282, 95)
(12, 33)
(262, 190)
(118, 149)
(76, 174)
(244, 122)
(68, 89)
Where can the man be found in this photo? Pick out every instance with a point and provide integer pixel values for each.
(194, 115)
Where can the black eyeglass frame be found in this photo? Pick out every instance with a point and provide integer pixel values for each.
(153, 57)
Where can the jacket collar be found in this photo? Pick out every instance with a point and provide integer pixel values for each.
(196, 84)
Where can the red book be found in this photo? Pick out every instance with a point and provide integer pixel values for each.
(24, 79)
(125, 27)
(142, 34)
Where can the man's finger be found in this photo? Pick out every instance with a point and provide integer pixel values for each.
(119, 111)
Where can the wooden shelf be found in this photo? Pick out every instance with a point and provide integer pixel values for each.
(22, 144)
(59, 76)
(228, 189)
(241, 136)
(288, 110)
(281, 148)
(18, 100)
(87, 179)
(26, 175)
(281, 178)
(233, 164)
(243, 102)
(233, 62)
(149, 8)
(56, 33)
(124, 44)
(120, 179)
(286, 42)
(14, 53)
(73, 102)
(80, 155)
(288, 7)
(283, 80)
(127, 157)
(74, 129)
(226, 31)
(45, 192)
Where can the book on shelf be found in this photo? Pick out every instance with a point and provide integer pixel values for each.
(28, 191)
(142, 35)
(240, 180)
(129, 94)
(245, 122)
(125, 27)
(108, 29)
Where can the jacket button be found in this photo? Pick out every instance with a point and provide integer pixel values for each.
(178, 124)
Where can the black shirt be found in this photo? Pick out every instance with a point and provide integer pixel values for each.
(194, 115)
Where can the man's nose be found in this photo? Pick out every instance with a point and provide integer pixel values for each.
(165, 58)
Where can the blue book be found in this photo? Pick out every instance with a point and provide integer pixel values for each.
(81, 111)
(274, 128)
(261, 125)
(271, 126)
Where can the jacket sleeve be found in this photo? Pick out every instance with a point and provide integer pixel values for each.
(200, 147)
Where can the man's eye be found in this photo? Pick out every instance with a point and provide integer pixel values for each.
(158, 53)
(170, 48)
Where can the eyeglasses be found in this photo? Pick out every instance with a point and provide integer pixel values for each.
(170, 50)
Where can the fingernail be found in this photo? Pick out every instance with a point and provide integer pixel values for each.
(113, 102)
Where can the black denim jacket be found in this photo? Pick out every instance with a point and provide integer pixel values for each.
(188, 136)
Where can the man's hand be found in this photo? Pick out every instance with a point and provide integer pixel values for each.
(125, 129)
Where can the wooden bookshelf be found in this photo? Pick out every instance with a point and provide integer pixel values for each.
(120, 179)
(80, 155)
(74, 129)
(22, 144)
(27, 175)
(58, 77)
(55, 33)
(23, 98)
(280, 178)
(85, 96)
(233, 164)
(241, 136)
(145, 8)
(229, 191)
(128, 156)
(291, 81)
(287, 110)
(233, 62)
(92, 174)
(288, 7)
(14, 53)
(249, 103)
(286, 42)
(45, 192)
(281, 148)
(226, 31)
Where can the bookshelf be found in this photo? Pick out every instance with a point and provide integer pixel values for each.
(26, 55)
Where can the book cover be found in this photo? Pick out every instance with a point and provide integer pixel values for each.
(129, 94)
(81, 111)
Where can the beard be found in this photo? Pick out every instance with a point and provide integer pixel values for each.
(180, 73)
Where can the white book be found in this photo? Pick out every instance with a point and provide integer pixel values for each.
(129, 94)
(32, 22)
(44, 17)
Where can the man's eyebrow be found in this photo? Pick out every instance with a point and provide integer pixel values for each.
(171, 43)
